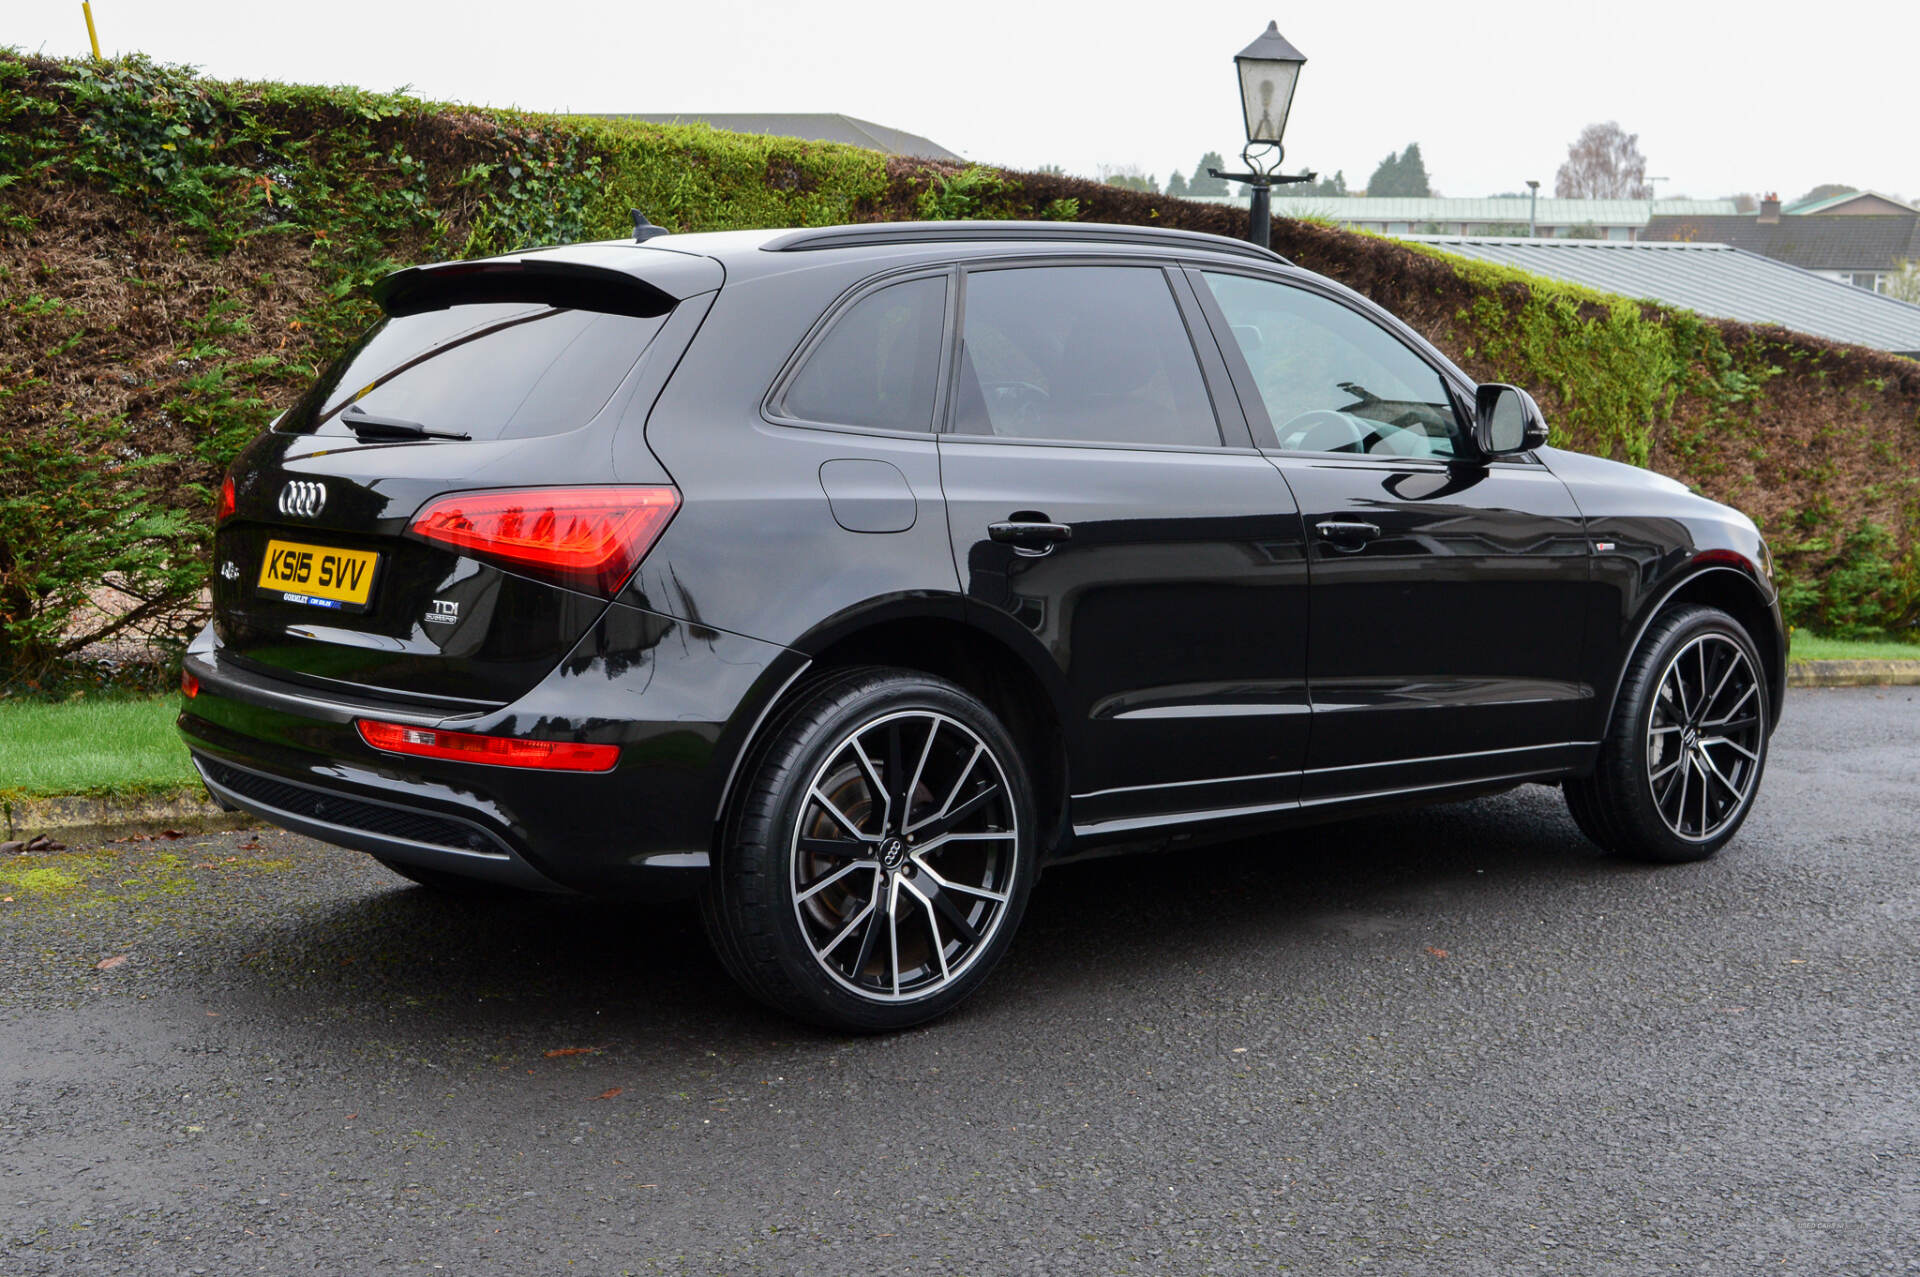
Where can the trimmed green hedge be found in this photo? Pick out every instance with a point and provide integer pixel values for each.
(179, 255)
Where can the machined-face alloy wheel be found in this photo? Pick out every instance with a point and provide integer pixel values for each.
(903, 855)
(1705, 735)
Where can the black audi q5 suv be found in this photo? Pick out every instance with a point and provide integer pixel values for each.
(846, 578)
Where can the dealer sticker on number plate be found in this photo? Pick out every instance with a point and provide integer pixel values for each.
(319, 575)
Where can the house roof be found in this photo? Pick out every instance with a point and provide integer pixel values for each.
(829, 127)
(1869, 202)
(1831, 242)
(1713, 279)
(1551, 212)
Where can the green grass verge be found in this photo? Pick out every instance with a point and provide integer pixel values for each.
(1811, 647)
(121, 746)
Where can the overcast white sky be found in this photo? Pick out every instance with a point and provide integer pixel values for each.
(1725, 96)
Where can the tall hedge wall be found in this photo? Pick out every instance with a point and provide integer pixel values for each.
(178, 255)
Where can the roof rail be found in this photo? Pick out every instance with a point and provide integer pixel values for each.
(871, 234)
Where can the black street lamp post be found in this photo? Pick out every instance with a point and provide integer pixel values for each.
(1269, 69)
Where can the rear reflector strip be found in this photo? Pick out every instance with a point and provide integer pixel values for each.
(495, 751)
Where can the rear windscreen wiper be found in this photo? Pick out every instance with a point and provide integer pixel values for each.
(366, 425)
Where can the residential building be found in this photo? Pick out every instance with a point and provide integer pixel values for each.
(828, 127)
(1712, 279)
(1857, 239)
(1602, 219)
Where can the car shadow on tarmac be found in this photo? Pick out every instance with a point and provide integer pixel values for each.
(514, 965)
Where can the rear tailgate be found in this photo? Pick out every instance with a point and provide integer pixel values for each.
(317, 576)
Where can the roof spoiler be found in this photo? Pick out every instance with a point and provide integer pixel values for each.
(538, 280)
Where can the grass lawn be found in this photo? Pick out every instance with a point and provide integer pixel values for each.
(1811, 647)
(103, 745)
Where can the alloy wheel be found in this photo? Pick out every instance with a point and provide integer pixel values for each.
(903, 855)
(1705, 735)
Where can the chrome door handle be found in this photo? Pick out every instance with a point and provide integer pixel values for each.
(1033, 538)
(1347, 535)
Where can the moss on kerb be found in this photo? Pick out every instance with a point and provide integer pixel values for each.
(88, 881)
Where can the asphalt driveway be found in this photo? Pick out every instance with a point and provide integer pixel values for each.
(1456, 1041)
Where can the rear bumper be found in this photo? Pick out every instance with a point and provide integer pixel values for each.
(387, 829)
(674, 698)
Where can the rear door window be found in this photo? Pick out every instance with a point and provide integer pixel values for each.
(492, 371)
(1094, 354)
(879, 365)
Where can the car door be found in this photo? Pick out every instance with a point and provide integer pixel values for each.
(1102, 519)
(1449, 591)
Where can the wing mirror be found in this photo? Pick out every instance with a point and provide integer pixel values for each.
(1506, 421)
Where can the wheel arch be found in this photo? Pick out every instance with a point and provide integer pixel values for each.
(1735, 590)
(937, 636)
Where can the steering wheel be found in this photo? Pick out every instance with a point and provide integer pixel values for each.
(1021, 399)
(1324, 430)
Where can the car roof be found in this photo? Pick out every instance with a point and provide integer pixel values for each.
(755, 252)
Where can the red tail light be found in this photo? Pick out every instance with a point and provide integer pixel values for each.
(588, 538)
(496, 751)
(189, 685)
(225, 509)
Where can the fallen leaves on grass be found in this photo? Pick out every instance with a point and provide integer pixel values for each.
(610, 1092)
(1438, 953)
(557, 1052)
(108, 964)
(39, 842)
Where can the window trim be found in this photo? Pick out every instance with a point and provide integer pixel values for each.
(1178, 291)
(1459, 389)
(772, 404)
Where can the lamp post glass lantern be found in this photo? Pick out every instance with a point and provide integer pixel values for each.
(1269, 70)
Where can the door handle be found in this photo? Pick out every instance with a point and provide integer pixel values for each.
(1346, 535)
(1029, 538)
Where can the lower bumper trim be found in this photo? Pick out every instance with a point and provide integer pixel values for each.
(387, 830)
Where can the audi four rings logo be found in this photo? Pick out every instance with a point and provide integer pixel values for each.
(303, 498)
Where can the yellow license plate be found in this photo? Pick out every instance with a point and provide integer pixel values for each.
(320, 575)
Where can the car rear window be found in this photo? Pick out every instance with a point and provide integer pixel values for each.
(492, 371)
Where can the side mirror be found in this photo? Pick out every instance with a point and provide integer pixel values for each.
(1506, 421)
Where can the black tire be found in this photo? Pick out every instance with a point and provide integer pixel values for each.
(793, 871)
(1684, 753)
(450, 884)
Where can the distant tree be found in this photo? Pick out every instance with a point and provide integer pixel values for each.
(1200, 183)
(1603, 163)
(1745, 202)
(1827, 190)
(1335, 185)
(1404, 174)
(1129, 178)
(1052, 170)
(1177, 184)
(1509, 195)
(1903, 284)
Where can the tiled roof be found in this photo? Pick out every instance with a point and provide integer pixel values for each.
(1713, 279)
(1831, 242)
(812, 128)
(1552, 212)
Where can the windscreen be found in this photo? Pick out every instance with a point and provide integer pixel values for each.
(493, 371)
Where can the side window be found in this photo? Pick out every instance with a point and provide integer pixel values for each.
(878, 364)
(1091, 353)
(1333, 380)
